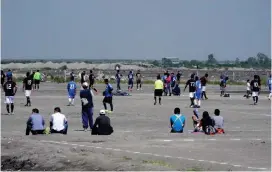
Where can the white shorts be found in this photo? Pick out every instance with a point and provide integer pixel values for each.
(9, 99)
(192, 94)
(27, 93)
(203, 88)
(255, 94)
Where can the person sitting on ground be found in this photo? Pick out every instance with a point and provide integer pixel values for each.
(35, 123)
(218, 122)
(177, 121)
(102, 125)
(196, 121)
(207, 124)
(58, 122)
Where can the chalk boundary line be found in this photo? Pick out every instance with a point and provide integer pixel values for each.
(146, 153)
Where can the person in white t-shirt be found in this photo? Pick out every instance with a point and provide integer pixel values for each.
(58, 122)
(248, 89)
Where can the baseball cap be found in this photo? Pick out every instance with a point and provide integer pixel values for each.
(102, 112)
(85, 84)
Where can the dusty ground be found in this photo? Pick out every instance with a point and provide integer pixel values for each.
(141, 140)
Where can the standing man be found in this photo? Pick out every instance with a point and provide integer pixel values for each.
(255, 88)
(198, 92)
(139, 79)
(158, 89)
(269, 84)
(178, 76)
(204, 81)
(173, 82)
(91, 79)
(118, 80)
(10, 89)
(86, 97)
(108, 95)
(37, 79)
(27, 86)
(82, 77)
(130, 81)
(71, 88)
(223, 85)
(192, 89)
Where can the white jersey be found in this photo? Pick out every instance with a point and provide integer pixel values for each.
(248, 86)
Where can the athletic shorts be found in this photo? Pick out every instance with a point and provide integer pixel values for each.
(107, 100)
(222, 88)
(36, 81)
(130, 82)
(254, 93)
(9, 99)
(158, 92)
(72, 96)
(197, 95)
(203, 88)
(192, 94)
(27, 93)
(139, 81)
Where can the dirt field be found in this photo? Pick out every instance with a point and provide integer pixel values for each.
(141, 138)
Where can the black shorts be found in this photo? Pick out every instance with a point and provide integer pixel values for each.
(107, 100)
(139, 81)
(158, 92)
(36, 81)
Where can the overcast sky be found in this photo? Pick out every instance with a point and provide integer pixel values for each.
(135, 29)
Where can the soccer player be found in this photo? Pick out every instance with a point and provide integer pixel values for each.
(248, 89)
(204, 80)
(223, 85)
(2, 78)
(130, 81)
(269, 84)
(91, 79)
(178, 76)
(255, 88)
(158, 89)
(37, 79)
(108, 96)
(82, 77)
(86, 97)
(198, 92)
(192, 88)
(71, 88)
(172, 82)
(10, 89)
(118, 80)
(139, 79)
(27, 86)
(9, 74)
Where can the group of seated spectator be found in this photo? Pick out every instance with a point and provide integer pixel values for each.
(208, 125)
(59, 124)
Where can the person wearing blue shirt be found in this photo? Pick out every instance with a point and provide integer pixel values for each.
(108, 95)
(198, 92)
(130, 81)
(86, 97)
(118, 79)
(71, 88)
(177, 121)
(269, 85)
(9, 74)
(172, 83)
(35, 123)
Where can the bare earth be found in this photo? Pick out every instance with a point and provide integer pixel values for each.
(141, 138)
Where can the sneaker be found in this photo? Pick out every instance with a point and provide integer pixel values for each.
(85, 129)
(138, 89)
(155, 103)
(192, 106)
(12, 113)
(69, 105)
(26, 104)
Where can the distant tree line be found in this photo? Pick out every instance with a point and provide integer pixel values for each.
(260, 61)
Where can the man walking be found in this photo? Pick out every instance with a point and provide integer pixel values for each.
(10, 89)
(27, 86)
(192, 89)
(204, 81)
(108, 95)
(86, 97)
(71, 88)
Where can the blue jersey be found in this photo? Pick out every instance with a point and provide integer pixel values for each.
(177, 122)
(108, 91)
(130, 76)
(118, 76)
(71, 87)
(9, 74)
(198, 86)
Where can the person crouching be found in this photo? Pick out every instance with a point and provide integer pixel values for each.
(102, 125)
(35, 123)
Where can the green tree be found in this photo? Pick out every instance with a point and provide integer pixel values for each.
(211, 60)
(155, 63)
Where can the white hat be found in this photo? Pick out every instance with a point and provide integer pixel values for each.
(85, 84)
(102, 112)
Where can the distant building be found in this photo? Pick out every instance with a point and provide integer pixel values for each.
(174, 60)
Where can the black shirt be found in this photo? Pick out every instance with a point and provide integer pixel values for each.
(28, 83)
(103, 123)
(9, 88)
(203, 81)
(91, 77)
(138, 76)
(178, 76)
(2, 76)
(82, 77)
(191, 83)
(255, 84)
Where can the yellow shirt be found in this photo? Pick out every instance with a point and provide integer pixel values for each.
(158, 85)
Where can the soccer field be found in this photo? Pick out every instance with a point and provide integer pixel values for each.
(141, 138)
